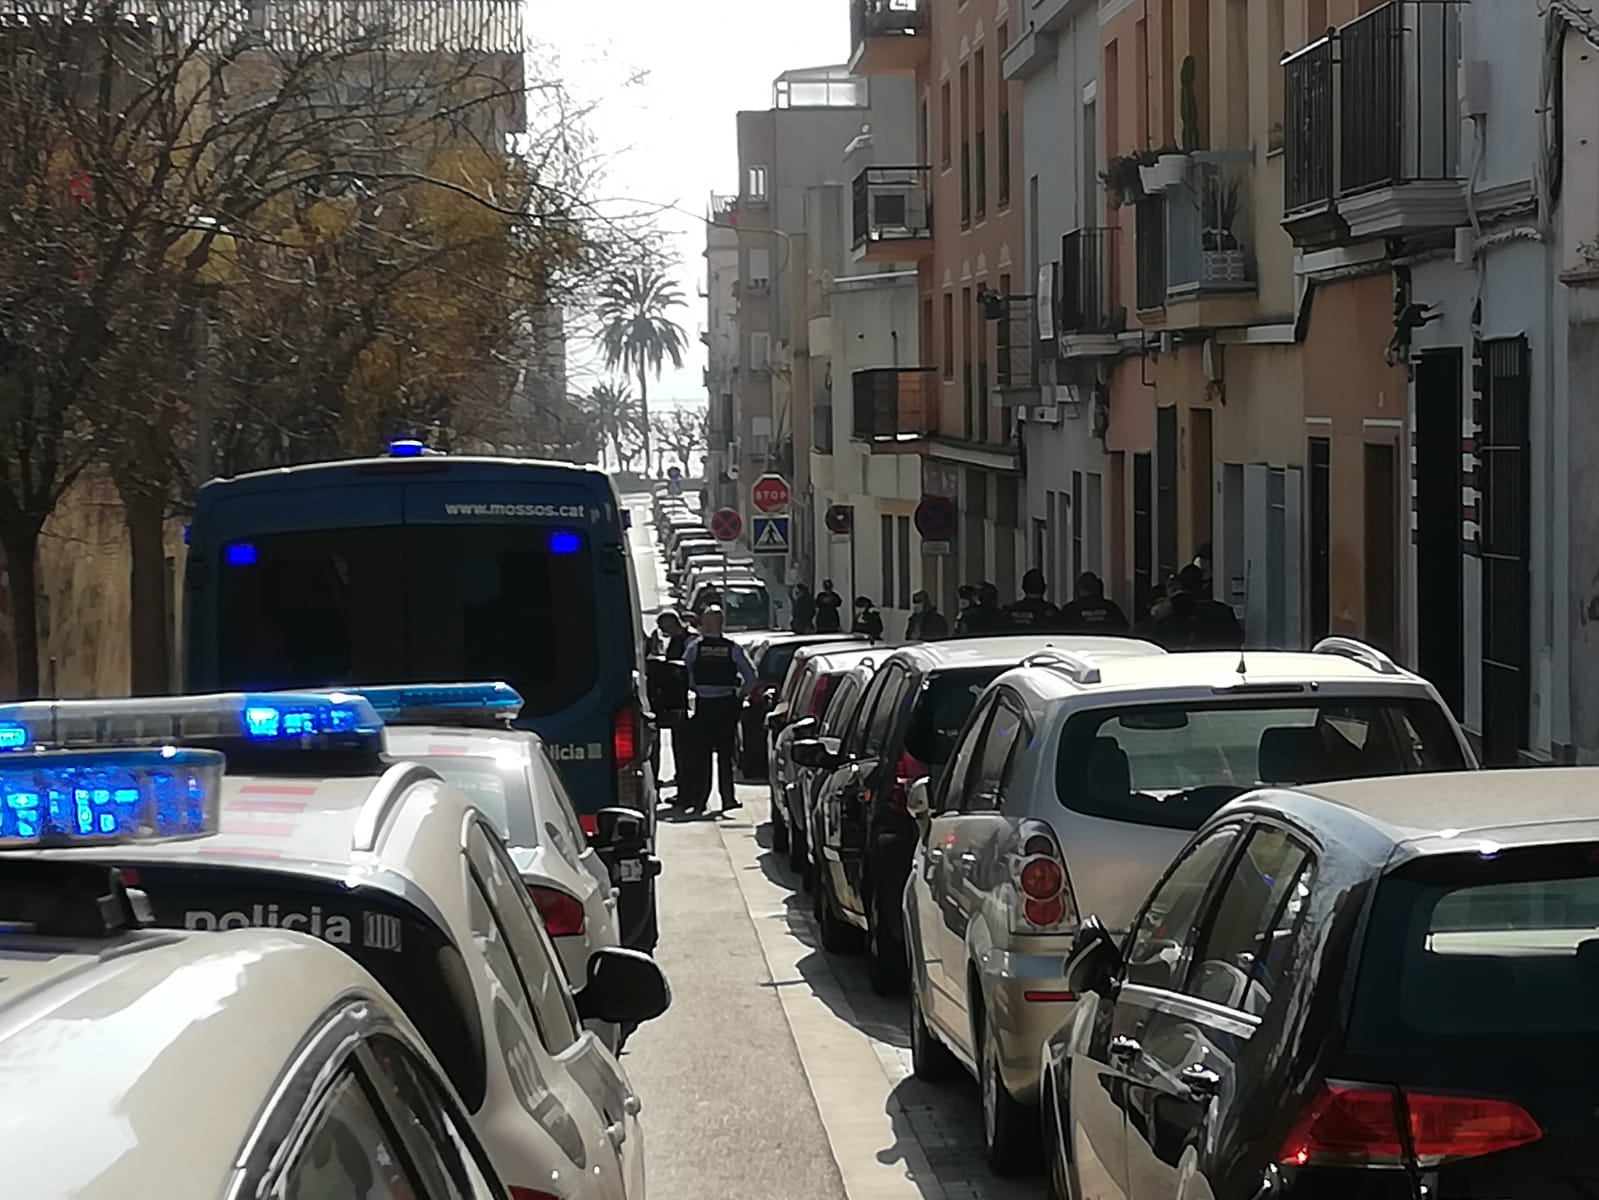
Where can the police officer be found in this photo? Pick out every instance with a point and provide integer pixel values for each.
(1032, 611)
(926, 623)
(720, 675)
(1091, 611)
(666, 679)
(828, 606)
(984, 616)
(868, 621)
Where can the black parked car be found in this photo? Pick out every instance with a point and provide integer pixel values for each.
(772, 654)
(1374, 990)
(865, 835)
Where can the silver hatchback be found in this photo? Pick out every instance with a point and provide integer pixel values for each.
(1076, 780)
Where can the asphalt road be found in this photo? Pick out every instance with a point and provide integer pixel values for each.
(777, 1074)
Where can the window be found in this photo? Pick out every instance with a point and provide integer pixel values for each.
(1245, 948)
(1079, 565)
(980, 119)
(902, 549)
(941, 709)
(984, 790)
(953, 784)
(886, 536)
(759, 271)
(444, 1150)
(949, 335)
(755, 184)
(946, 121)
(491, 792)
(1173, 765)
(884, 707)
(1159, 944)
(347, 1151)
(966, 145)
(760, 352)
(1002, 165)
(562, 824)
(841, 709)
(515, 936)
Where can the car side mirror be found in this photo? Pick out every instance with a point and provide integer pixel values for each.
(1095, 962)
(625, 987)
(805, 728)
(918, 799)
(621, 829)
(813, 753)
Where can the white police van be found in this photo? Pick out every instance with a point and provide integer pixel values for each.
(400, 871)
(142, 1062)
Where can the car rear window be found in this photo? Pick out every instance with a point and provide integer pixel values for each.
(501, 795)
(941, 708)
(401, 945)
(1173, 765)
(775, 662)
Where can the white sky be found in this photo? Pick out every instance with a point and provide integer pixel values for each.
(672, 136)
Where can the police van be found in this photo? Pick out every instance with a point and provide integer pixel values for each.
(146, 1062)
(319, 835)
(417, 567)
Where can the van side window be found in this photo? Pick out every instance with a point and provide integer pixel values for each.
(347, 1150)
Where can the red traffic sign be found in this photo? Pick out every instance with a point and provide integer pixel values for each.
(726, 524)
(840, 518)
(936, 518)
(770, 493)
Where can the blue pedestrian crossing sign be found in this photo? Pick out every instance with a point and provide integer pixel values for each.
(769, 535)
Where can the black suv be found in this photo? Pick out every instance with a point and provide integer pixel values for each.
(907, 722)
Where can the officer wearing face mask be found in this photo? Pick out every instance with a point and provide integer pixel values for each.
(926, 624)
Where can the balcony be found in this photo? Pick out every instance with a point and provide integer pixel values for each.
(1193, 255)
(888, 37)
(896, 408)
(1372, 129)
(892, 209)
(1089, 316)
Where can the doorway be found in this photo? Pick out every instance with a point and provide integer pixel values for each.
(1440, 630)
(1143, 534)
(1382, 545)
(1504, 519)
(1320, 537)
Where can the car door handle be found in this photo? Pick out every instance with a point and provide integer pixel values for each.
(1125, 1047)
(1200, 1080)
(632, 1106)
(617, 1132)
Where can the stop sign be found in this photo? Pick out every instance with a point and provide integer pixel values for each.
(770, 493)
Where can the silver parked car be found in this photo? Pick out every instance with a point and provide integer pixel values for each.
(1076, 780)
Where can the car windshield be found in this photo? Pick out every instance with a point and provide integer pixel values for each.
(942, 708)
(746, 609)
(1173, 765)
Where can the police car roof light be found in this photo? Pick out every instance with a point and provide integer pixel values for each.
(444, 703)
(277, 721)
(406, 448)
(98, 797)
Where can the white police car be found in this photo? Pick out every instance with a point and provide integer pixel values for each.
(399, 870)
(138, 1062)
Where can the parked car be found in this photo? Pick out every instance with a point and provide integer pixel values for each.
(1078, 777)
(1380, 988)
(772, 656)
(865, 836)
(821, 678)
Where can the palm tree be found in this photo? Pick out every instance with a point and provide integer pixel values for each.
(637, 334)
(615, 413)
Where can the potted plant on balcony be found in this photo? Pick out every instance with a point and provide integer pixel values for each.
(1120, 177)
(1221, 253)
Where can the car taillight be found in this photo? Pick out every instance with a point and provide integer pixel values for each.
(824, 685)
(1045, 891)
(562, 914)
(906, 771)
(625, 737)
(589, 823)
(1365, 1126)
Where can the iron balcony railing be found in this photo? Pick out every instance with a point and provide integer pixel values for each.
(892, 204)
(1087, 282)
(1373, 105)
(895, 404)
(888, 18)
(1149, 252)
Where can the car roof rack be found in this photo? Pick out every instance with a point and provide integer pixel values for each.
(1074, 666)
(1357, 651)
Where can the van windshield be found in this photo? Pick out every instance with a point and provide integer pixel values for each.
(419, 603)
(1173, 765)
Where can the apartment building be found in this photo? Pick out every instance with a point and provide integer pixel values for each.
(723, 353)
(957, 212)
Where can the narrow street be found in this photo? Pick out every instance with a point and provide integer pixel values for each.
(778, 1074)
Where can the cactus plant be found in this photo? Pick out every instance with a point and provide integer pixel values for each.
(1190, 105)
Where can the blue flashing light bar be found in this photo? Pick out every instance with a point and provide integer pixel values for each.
(240, 554)
(278, 720)
(564, 541)
(406, 448)
(95, 797)
(443, 703)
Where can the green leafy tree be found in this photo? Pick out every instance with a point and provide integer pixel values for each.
(637, 334)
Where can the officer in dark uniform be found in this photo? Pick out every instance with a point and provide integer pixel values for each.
(1091, 612)
(1032, 611)
(720, 675)
(984, 616)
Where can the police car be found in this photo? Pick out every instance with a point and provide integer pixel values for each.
(111, 1034)
(399, 870)
(461, 731)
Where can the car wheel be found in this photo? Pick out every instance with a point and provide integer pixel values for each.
(838, 935)
(931, 1060)
(782, 839)
(885, 959)
(1010, 1128)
